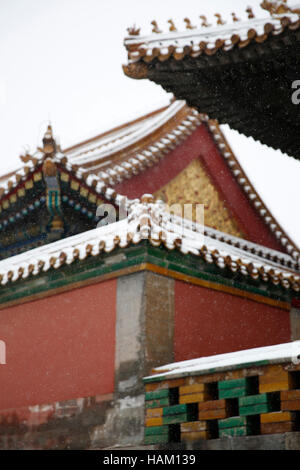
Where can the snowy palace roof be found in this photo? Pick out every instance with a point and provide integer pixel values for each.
(98, 164)
(240, 73)
(147, 220)
(206, 40)
(124, 152)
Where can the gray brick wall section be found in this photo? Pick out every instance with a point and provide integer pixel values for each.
(295, 323)
(144, 339)
(144, 328)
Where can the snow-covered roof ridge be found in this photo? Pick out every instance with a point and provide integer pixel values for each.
(125, 137)
(148, 220)
(147, 143)
(153, 152)
(242, 244)
(34, 163)
(206, 40)
(174, 123)
(279, 353)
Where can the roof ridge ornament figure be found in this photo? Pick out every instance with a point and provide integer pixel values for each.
(204, 23)
(133, 31)
(188, 24)
(155, 28)
(250, 13)
(172, 25)
(26, 158)
(49, 148)
(219, 20)
(51, 179)
(234, 17)
(278, 7)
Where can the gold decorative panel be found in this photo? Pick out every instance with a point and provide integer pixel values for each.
(193, 185)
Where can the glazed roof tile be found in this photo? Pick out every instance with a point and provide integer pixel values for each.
(205, 40)
(147, 220)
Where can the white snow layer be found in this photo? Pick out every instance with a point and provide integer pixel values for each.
(280, 352)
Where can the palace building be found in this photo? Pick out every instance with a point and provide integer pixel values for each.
(89, 308)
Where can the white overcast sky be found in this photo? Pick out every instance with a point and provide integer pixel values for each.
(61, 61)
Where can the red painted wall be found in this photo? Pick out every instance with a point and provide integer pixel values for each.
(210, 322)
(60, 347)
(200, 144)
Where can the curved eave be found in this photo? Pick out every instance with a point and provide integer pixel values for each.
(203, 41)
(146, 222)
(99, 156)
(248, 85)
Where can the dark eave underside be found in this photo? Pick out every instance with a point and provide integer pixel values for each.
(248, 88)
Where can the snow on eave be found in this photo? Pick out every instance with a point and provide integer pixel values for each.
(206, 40)
(114, 127)
(243, 245)
(286, 352)
(149, 155)
(147, 220)
(118, 144)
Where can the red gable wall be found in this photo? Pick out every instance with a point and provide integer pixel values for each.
(59, 347)
(210, 322)
(200, 144)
